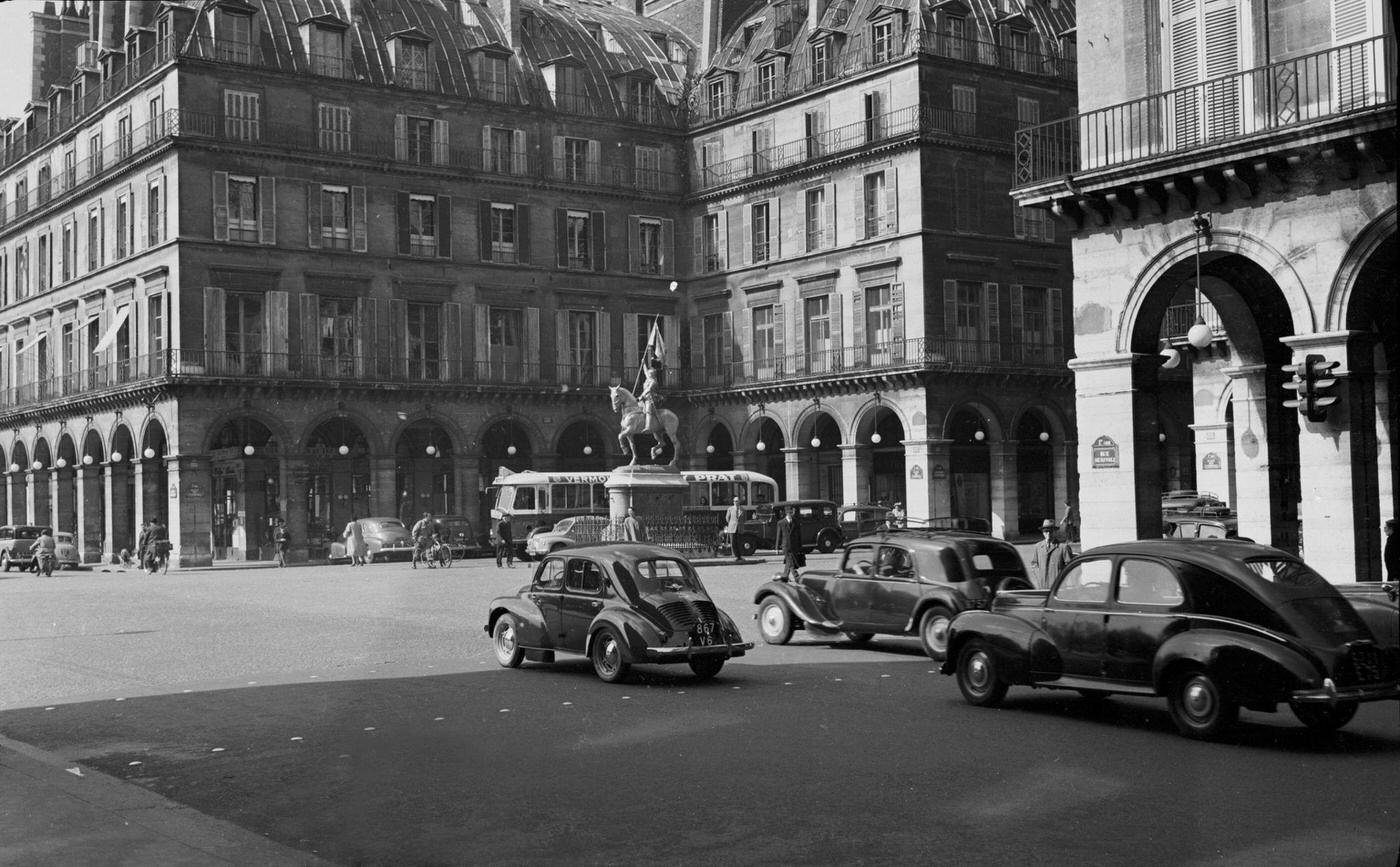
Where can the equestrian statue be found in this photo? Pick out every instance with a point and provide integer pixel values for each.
(644, 415)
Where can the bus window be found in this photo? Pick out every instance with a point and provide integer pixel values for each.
(505, 498)
(699, 494)
(600, 498)
(529, 499)
(571, 496)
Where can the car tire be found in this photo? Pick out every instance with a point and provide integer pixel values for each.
(504, 641)
(1199, 707)
(859, 637)
(774, 621)
(609, 656)
(933, 632)
(978, 677)
(827, 542)
(746, 545)
(706, 667)
(1325, 717)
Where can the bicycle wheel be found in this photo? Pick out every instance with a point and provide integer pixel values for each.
(445, 556)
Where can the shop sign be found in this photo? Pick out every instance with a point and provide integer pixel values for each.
(1105, 452)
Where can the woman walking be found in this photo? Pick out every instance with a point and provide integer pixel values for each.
(355, 542)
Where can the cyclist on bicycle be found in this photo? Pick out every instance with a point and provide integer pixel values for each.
(157, 546)
(425, 534)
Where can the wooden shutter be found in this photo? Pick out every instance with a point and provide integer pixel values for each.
(891, 204)
(522, 233)
(830, 217)
(856, 220)
(558, 171)
(598, 239)
(1222, 58)
(444, 227)
(563, 357)
(1350, 22)
(400, 138)
(1018, 315)
(991, 303)
(277, 338)
(561, 237)
(440, 142)
(595, 158)
(482, 351)
(634, 236)
(267, 210)
(486, 155)
(359, 220)
(1185, 70)
(605, 347)
(484, 234)
(401, 212)
(309, 304)
(220, 207)
(697, 237)
(837, 323)
(667, 254)
(671, 332)
(697, 349)
(727, 341)
(858, 322)
(722, 248)
(213, 319)
(398, 334)
(367, 322)
(452, 341)
(630, 338)
(518, 154)
(532, 344)
(780, 342)
(1055, 339)
(313, 215)
(746, 233)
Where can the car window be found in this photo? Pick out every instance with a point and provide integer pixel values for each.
(1085, 582)
(894, 563)
(1147, 582)
(860, 559)
(583, 576)
(662, 575)
(564, 525)
(1210, 531)
(551, 575)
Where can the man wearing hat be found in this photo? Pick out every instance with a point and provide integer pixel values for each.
(1049, 557)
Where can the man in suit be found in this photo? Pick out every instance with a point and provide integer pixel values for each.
(1049, 557)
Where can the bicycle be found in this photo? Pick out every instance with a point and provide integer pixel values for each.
(158, 557)
(441, 552)
(432, 551)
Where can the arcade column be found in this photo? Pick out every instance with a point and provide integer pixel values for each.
(92, 515)
(1006, 490)
(189, 486)
(855, 472)
(293, 478)
(792, 467)
(1250, 496)
(385, 497)
(926, 488)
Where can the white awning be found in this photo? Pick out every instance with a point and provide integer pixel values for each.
(111, 336)
(31, 344)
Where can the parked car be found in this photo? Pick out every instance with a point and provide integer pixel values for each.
(1211, 625)
(66, 550)
(858, 520)
(15, 542)
(1378, 603)
(386, 539)
(578, 530)
(619, 604)
(817, 519)
(458, 534)
(898, 583)
(1187, 527)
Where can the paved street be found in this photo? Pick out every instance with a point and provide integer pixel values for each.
(356, 716)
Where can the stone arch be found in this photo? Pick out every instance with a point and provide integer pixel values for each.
(1377, 238)
(986, 410)
(259, 429)
(322, 425)
(582, 442)
(43, 455)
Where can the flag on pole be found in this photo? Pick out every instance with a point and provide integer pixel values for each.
(656, 343)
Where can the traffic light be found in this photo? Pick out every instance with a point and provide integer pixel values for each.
(1312, 381)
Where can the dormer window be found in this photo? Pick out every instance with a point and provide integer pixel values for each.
(750, 31)
(717, 97)
(768, 81)
(410, 52)
(821, 61)
(882, 41)
(233, 34)
(324, 37)
(564, 78)
(491, 66)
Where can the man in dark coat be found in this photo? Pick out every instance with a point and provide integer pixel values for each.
(505, 544)
(1392, 553)
(789, 544)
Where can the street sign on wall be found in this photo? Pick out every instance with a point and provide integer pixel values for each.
(1105, 452)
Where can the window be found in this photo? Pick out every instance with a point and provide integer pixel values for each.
(333, 127)
(411, 64)
(760, 147)
(156, 108)
(1035, 324)
(569, 91)
(337, 336)
(422, 226)
(68, 257)
(814, 124)
(764, 348)
(418, 140)
(242, 209)
(577, 240)
(44, 261)
(68, 348)
(874, 116)
(711, 259)
(1085, 582)
(424, 341)
(45, 188)
(505, 340)
(717, 97)
(1144, 582)
(242, 115)
(234, 37)
(641, 100)
(972, 312)
(821, 69)
(648, 170)
(503, 150)
(964, 110)
(582, 346)
(817, 311)
(881, 41)
(1027, 111)
(874, 204)
(761, 231)
(123, 136)
(503, 245)
(711, 155)
(95, 155)
(335, 218)
(327, 52)
(575, 166)
(1032, 224)
(713, 329)
(70, 168)
(492, 81)
(967, 199)
(818, 219)
(243, 331)
(22, 270)
(768, 81)
(21, 197)
(879, 323)
(648, 246)
(124, 227)
(954, 36)
(155, 326)
(155, 211)
(95, 239)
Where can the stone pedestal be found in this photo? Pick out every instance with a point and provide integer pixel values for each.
(654, 492)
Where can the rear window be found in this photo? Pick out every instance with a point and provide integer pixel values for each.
(994, 559)
(27, 533)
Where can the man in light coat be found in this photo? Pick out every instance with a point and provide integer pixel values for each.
(1049, 557)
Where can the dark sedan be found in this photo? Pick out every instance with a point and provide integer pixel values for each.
(618, 603)
(1211, 625)
(899, 582)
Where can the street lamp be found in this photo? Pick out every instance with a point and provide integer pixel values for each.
(1200, 335)
(116, 457)
(762, 446)
(816, 442)
(248, 450)
(344, 450)
(149, 453)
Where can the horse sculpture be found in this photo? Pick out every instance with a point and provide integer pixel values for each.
(634, 422)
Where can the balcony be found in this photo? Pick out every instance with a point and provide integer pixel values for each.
(920, 121)
(1241, 110)
(859, 53)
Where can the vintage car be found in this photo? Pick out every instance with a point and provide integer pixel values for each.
(1378, 603)
(619, 604)
(578, 530)
(16, 540)
(458, 534)
(1178, 505)
(900, 582)
(860, 519)
(816, 519)
(386, 539)
(65, 550)
(1212, 625)
(1187, 527)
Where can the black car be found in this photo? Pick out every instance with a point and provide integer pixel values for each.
(901, 582)
(817, 521)
(618, 603)
(1212, 625)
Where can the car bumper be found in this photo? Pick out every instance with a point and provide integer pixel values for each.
(693, 651)
(393, 553)
(1329, 693)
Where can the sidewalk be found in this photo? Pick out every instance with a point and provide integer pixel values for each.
(52, 816)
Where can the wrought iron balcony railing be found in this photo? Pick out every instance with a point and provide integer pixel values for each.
(1292, 93)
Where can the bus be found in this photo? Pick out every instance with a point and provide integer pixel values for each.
(539, 499)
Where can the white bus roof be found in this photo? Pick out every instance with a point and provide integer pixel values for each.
(533, 477)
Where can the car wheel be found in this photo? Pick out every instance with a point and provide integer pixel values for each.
(1325, 717)
(746, 545)
(827, 542)
(504, 642)
(706, 667)
(933, 631)
(859, 637)
(609, 658)
(1199, 708)
(774, 621)
(977, 676)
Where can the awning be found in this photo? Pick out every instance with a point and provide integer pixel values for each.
(31, 344)
(111, 336)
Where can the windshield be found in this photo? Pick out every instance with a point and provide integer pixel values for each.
(564, 526)
(662, 575)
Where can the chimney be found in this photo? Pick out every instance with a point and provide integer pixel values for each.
(109, 25)
(815, 9)
(640, 8)
(140, 13)
(510, 22)
(710, 23)
(54, 50)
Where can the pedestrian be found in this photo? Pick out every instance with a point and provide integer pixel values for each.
(789, 544)
(732, 517)
(1069, 524)
(505, 545)
(633, 530)
(1392, 553)
(143, 541)
(896, 516)
(1049, 556)
(354, 537)
(280, 539)
(157, 544)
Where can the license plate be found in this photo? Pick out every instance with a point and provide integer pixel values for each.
(705, 634)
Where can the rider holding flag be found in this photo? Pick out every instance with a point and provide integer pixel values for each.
(653, 361)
